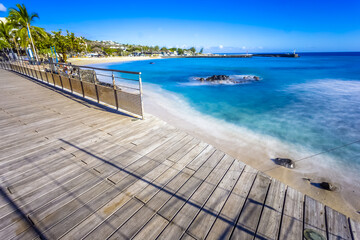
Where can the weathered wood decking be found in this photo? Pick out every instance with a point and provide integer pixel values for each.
(73, 170)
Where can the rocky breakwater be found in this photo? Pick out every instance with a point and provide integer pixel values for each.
(225, 79)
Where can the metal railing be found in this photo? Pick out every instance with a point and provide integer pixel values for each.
(118, 89)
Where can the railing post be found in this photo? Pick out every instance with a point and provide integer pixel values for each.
(52, 75)
(71, 89)
(26, 70)
(61, 82)
(115, 93)
(46, 75)
(96, 88)
(22, 67)
(38, 71)
(81, 83)
(41, 78)
(141, 97)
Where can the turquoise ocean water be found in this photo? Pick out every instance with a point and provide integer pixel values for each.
(312, 101)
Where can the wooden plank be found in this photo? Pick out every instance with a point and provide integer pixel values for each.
(44, 195)
(186, 236)
(86, 180)
(83, 212)
(146, 194)
(30, 144)
(183, 151)
(292, 222)
(133, 225)
(136, 222)
(192, 207)
(115, 220)
(337, 225)
(207, 216)
(201, 158)
(162, 196)
(228, 216)
(169, 210)
(355, 229)
(152, 230)
(102, 213)
(64, 210)
(314, 216)
(250, 214)
(269, 225)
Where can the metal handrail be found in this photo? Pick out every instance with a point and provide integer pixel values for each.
(129, 102)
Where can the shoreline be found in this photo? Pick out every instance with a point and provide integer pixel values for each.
(94, 60)
(256, 150)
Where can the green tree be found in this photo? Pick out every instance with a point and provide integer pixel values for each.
(43, 44)
(75, 44)
(192, 49)
(201, 50)
(61, 44)
(3, 44)
(21, 20)
(180, 51)
(6, 33)
(7, 36)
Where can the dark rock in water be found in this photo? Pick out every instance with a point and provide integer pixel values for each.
(285, 162)
(152, 63)
(227, 79)
(218, 78)
(327, 186)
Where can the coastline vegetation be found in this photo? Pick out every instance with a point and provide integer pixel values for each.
(18, 34)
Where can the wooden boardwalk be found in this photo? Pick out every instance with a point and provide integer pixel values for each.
(73, 170)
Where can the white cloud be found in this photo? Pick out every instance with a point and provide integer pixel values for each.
(2, 8)
(221, 46)
(243, 47)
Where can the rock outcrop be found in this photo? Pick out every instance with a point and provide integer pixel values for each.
(285, 162)
(227, 79)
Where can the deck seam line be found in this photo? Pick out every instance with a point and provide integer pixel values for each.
(282, 213)
(207, 199)
(242, 208)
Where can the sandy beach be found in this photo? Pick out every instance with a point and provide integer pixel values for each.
(256, 151)
(95, 60)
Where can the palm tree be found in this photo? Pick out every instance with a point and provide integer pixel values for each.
(22, 20)
(6, 32)
(7, 36)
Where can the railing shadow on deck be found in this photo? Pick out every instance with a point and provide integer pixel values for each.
(77, 98)
(231, 223)
(29, 211)
(21, 213)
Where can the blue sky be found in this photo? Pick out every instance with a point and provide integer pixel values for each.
(218, 26)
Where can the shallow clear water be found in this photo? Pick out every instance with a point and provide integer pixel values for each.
(312, 101)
